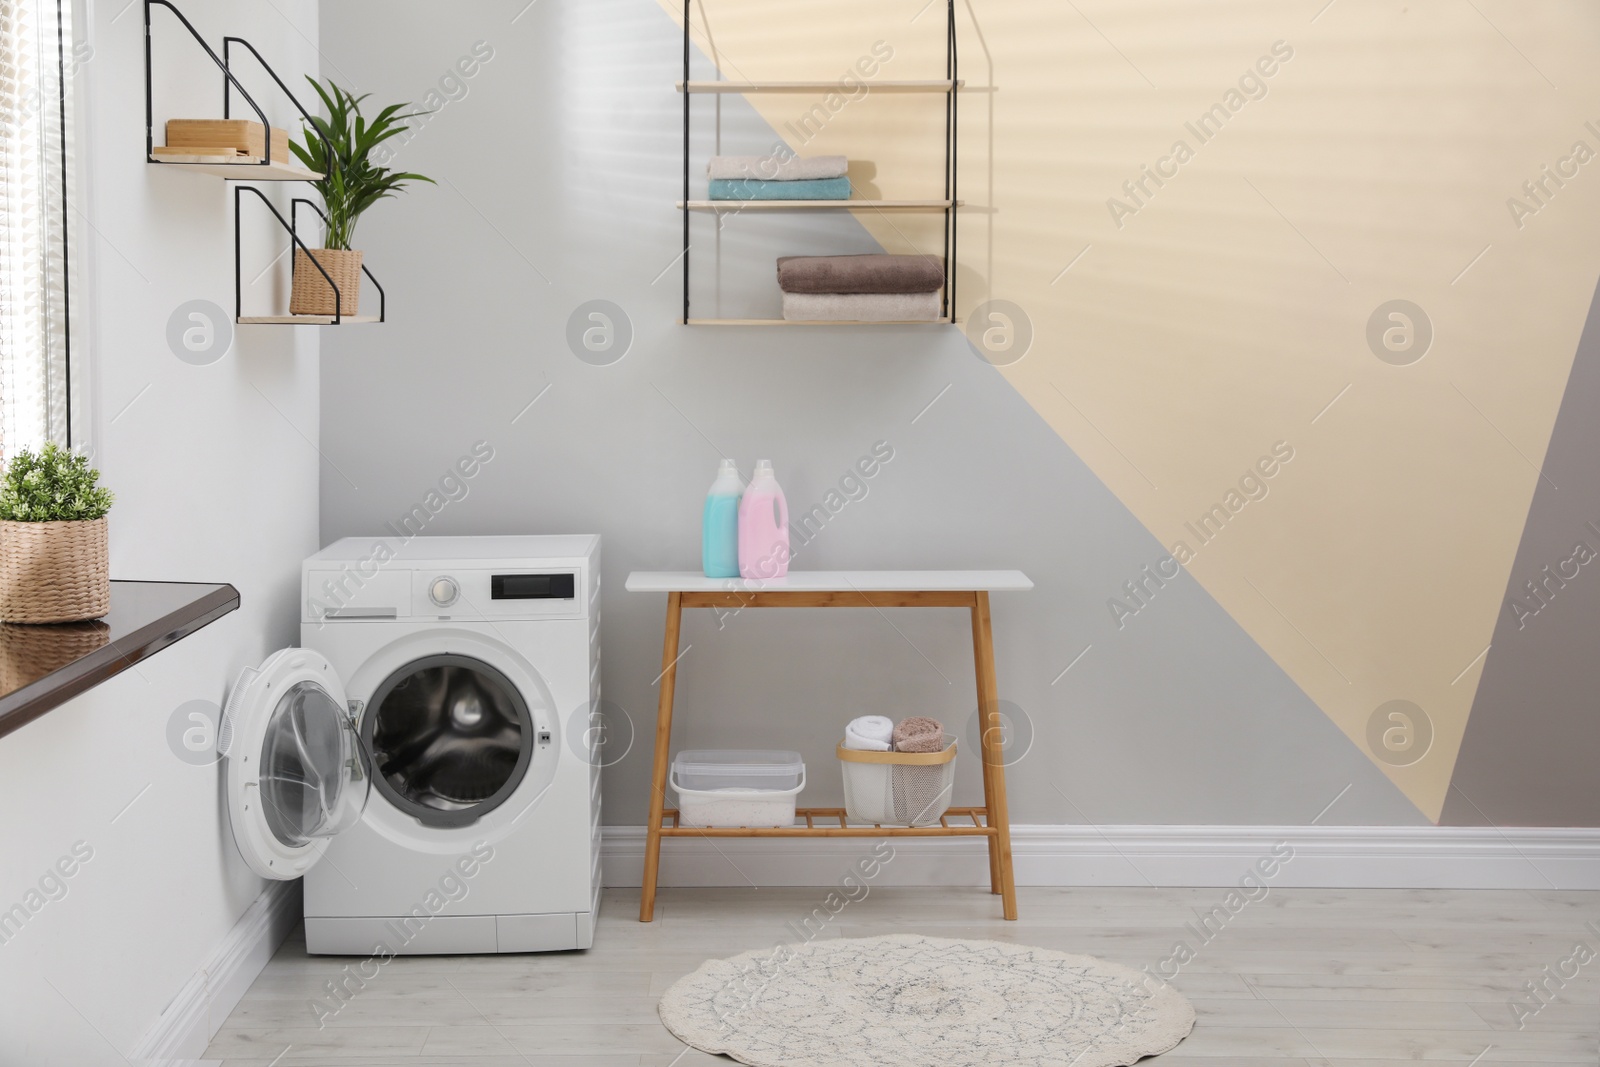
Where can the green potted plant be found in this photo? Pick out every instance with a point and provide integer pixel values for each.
(339, 147)
(54, 565)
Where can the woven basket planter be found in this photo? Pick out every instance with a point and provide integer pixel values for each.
(312, 295)
(54, 571)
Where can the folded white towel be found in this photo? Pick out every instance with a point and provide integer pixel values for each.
(777, 168)
(870, 733)
(861, 307)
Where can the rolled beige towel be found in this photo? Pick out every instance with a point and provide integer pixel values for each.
(919, 734)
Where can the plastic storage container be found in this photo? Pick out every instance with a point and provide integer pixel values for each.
(898, 788)
(737, 787)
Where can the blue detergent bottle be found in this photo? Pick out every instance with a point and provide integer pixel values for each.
(719, 535)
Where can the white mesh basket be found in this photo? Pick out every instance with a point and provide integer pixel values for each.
(898, 788)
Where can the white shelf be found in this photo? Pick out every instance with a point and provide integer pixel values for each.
(819, 205)
(303, 320)
(939, 86)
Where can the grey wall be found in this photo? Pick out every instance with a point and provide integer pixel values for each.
(1529, 751)
(558, 167)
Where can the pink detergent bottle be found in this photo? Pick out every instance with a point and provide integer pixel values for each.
(763, 527)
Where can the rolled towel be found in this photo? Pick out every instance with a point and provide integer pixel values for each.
(752, 189)
(875, 273)
(919, 734)
(861, 307)
(870, 733)
(775, 168)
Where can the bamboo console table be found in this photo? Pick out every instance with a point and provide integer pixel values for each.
(840, 589)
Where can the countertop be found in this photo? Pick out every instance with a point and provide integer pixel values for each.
(42, 667)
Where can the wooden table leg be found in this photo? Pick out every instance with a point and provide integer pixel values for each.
(983, 748)
(659, 769)
(994, 770)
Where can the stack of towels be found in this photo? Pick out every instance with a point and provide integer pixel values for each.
(769, 178)
(870, 288)
(874, 733)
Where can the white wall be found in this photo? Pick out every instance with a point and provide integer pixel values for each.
(216, 473)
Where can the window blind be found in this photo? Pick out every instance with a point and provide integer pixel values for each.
(37, 223)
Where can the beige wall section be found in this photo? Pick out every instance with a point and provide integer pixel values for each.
(1229, 310)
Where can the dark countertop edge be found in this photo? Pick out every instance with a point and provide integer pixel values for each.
(21, 707)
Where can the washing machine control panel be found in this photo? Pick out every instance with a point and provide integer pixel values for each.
(500, 593)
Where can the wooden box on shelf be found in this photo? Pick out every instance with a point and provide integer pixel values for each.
(224, 137)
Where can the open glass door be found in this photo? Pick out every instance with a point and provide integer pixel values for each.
(296, 774)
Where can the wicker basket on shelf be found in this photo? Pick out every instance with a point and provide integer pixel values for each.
(54, 571)
(312, 295)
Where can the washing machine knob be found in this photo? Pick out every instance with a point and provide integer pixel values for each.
(444, 591)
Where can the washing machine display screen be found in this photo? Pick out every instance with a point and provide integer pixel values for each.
(532, 587)
(450, 737)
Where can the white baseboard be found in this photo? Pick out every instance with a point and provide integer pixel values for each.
(211, 993)
(1362, 857)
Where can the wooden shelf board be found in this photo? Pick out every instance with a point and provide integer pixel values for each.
(936, 86)
(813, 322)
(836, 826)
(819, 205)
(234, 168)
(303, 320)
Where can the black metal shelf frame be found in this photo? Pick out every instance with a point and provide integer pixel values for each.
(290, 226)
(951, 144)
(229, 82)
(224, 63)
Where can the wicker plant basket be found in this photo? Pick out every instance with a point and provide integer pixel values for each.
(312, 295)
(54, 571)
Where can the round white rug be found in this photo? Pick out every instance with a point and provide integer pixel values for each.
(912, 1001)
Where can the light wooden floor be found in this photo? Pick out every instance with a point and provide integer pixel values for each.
(1305, 977)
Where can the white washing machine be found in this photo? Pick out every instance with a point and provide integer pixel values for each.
(427, 760)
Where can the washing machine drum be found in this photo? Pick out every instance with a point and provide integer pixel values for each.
(450, 738)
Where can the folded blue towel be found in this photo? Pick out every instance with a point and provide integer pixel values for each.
(756, 189)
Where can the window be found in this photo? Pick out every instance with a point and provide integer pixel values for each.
(38, 223)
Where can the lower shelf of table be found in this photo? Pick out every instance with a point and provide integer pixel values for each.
(957, 822)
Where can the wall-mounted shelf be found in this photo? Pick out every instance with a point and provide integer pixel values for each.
(819, 205)
(240, 170)
(943, 85)
(229, 168)
(949, 87)
(290, 226)
(305, 320)
(816, 322)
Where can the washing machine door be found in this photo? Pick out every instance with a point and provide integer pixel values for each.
(296, 774)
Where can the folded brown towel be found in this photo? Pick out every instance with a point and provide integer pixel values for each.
(860, 274)
(919, 734)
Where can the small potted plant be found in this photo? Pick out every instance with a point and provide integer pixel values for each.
(339, 147)
(53, 552)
